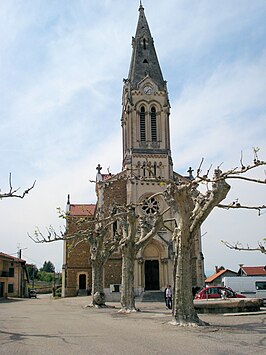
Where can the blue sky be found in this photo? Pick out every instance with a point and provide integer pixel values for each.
(62, 65)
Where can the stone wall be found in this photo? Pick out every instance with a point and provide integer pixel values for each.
(114, 193)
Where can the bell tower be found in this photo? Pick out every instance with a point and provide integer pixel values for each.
(146, 110)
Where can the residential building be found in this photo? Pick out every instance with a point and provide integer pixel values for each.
(13, 276)
(216, 278)
(252, 270)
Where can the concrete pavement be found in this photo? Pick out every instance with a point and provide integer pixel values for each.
(64, 326)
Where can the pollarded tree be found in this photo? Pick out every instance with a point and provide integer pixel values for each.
(14, 192)
(190, 209)
(136, 233)
(97, 232)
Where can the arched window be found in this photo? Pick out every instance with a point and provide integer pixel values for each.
(153, 125)
(142, 124)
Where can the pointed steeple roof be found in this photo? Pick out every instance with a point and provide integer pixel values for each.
(144, 61)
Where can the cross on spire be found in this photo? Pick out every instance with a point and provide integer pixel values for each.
(99, 168)
(190, 171)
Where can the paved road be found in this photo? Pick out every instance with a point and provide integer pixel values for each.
(55, 327)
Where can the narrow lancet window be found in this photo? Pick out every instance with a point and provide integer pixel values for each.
(144, 43)
(142, 125)
(144, 169)
(155, 168)
(153, 125)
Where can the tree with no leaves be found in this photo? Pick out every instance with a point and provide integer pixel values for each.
(97, 233)
(134, 238)
(191, 208)
(103, 240)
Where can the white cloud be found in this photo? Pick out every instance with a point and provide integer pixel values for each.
(221, 116)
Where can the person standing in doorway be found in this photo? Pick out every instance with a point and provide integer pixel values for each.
(168, 294)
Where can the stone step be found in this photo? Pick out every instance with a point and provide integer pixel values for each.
(82, 292)
(152, 296)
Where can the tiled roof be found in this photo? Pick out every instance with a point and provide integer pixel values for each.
(11, 257)
(114, 176)
(106, 176)
(218, 274)
(82, 210)
(254, 270)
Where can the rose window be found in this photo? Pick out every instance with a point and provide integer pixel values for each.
(150, 206)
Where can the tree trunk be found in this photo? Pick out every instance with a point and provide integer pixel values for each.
(98, 298)
(183, 307)
(127, 292)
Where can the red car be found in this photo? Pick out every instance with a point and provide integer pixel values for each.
(212, 292)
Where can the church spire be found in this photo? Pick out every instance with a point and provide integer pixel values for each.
(144, 61)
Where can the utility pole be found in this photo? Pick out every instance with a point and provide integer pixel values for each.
(19, 252)
(20, 279)
(54, 284)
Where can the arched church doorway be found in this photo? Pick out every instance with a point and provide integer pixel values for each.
(152, 275)
(82, 281)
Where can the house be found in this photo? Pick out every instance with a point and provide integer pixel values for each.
(76, 270)
(216, 278)
(146, 162)
(252, 271)
(13, 276)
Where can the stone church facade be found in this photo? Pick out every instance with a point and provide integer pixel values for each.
(147, 162)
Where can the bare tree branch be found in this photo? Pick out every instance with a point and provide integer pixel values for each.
(13, 192)
(247, 179)
(238, 246)
(237, 205)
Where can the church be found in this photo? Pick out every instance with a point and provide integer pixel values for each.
(147, 162)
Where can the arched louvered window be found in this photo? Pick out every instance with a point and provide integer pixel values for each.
(142, 124)
(153, 125)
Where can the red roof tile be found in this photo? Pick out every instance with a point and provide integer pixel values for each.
(82, 210)
(217, 274)
(106, 176)
(254, 270)
(11, 257)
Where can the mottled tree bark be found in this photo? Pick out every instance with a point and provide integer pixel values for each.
(127, 292)
(98, 298)
(189, 219)
(183, 308)
(133, 241)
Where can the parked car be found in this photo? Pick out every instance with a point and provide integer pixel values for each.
(32, 294)
(212, 292)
